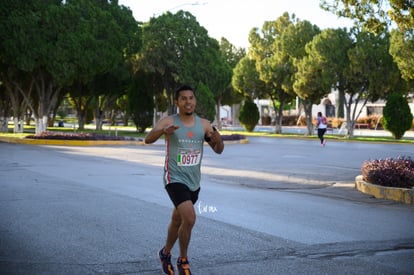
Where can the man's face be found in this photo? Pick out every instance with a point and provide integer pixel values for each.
(186, 102)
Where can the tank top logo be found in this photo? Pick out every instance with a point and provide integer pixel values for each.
(190, 134)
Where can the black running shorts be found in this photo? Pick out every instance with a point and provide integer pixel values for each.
(179, 193)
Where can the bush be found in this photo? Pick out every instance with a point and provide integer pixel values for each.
(249, 115)
(390, 172)
(397, 115)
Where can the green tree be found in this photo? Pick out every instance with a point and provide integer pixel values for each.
(397, 117)
(29, 49)
(330, 50)
(402, 50)
(215, 73)
(177, 48)
(246, 79)
(231, 56)
(249, 115)
(311, 84)
(141, 102)
(374, 15)
(371, 75)
(246, 82)
(294, 40)
(105, 90)
(57, 44)
(275, 49)
(108, 35)
(205, 102)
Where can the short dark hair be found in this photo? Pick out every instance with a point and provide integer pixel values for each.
(183, 88)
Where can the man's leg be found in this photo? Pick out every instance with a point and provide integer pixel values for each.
(182, 222)
(173, 230)
(165, 253)
(188, 217)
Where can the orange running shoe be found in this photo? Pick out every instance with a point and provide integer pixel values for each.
(165, 258)
(183, 266)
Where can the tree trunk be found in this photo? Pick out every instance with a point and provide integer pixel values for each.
(18, 125)
(235, 112)
(81, 121)
(17, 103)
(349, 122)
(41, 123)
(125, 119)
(218, 120)
(98, 123)
(307, 107)
(4, 124)
(340, 105)
(279, 119)
(98, 117)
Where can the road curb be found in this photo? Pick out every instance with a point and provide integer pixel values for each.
(403, 195)
(70, 142)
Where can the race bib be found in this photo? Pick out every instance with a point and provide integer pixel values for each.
(188, 157)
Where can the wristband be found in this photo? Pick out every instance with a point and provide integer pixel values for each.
(208, 139)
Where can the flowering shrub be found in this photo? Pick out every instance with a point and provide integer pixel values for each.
(77, 136)
(232, 137)
(92, 136)
(390, 172)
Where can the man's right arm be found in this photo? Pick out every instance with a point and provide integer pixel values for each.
(156, 132)
(164, 127)
(154, 135)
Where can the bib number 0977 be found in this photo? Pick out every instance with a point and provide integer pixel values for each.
(188, 158)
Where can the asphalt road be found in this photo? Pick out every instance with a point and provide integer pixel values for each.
(273, 206)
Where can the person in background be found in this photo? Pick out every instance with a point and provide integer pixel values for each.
(321, 125)
(185, 134)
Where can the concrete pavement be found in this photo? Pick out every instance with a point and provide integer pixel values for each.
(397, 194)
(74, 210)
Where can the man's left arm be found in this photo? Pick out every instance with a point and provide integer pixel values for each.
(214, 139)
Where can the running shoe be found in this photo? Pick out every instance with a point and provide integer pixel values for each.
(183, 266)
(167, 267)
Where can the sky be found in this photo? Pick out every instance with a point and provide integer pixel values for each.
(234, 19)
